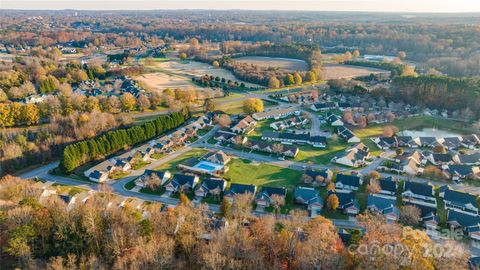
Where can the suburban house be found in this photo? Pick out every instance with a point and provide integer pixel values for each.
(407, 166)
(287, 150)
(347, 203)
(430, 142)
(217, 157)
(470, 141)
(163, 144)
(333, 120)
(441, 159)
(244, 126)
(452, 143)
(229, 137)
(470, 159)
(288, 123)
(347, 135)
(385, 142)
(388, 186)
(286, 137)
(237, 189)
(460, 201)
(353, 157)
(145, 155)
(182, 183)
(470, 225)
(318, 177)
(123, 164)
(275, 114)
(309, 197)
(323, 106)
(211, 187)
(163, 176)
(428, 217)
(78, 199)
(416, 156)
(348, 182)
(418, 193)
(46, 190)
(98, 176)
(406, 141)
(263, 198)
(458, 172)
(384, 206)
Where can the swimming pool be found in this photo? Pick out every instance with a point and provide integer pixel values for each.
(208, 166)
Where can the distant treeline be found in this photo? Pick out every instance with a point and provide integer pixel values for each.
(439, 92)
(79, 153)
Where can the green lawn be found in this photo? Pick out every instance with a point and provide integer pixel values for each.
(321, 155)
(234, 107)
(244, 172)
(70, 190)
(130, 185)
(139, 164)
(118, 175)
(157, 155)
(172, 164)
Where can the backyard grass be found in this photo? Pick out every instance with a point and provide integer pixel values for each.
(158, 191)
(172, 164)
(244, 172)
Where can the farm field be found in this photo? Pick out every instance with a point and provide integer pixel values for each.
(276, 62)
(162, 81)
(187, 69)
(337, 71)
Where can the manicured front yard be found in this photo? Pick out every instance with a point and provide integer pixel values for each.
(244, 172)
(139, 164)
(118, 175)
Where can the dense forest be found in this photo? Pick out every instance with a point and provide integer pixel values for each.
(42, 234)
(439, 92)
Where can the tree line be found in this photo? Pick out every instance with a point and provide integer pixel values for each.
(98, 234)
(79, 153)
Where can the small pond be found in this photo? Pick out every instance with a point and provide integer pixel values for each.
(429, 132)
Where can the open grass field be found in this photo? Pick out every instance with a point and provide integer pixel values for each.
(275, 62)
(245, 172)
(318, 155)
(172, 164)
(337, 71)
(162, 81)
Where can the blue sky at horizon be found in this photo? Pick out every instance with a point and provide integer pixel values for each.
(433, 6)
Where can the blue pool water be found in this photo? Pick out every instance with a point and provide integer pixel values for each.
(208, 166)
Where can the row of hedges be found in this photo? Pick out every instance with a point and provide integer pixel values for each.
(79, 153)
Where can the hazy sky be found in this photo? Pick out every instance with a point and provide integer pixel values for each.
(320, 5)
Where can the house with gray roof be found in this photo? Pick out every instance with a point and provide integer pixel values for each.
(384, 206)
(420, 193)
(237, 189)
(263, 198)
(388, 186)
(309, 197)
(348, 182)
(460, 201)
(211, 187)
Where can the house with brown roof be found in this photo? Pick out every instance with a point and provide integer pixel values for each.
(244, 126)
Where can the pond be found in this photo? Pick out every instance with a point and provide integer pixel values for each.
(428, 132)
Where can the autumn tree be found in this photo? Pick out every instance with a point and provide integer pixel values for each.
(273, 82)
(209, 105)
(390, 131)
(128, 102)
(297, 78)
(373, 187)
(223, 120)
(332, 202)
(252, 105)
(410, 215)
(226, 208)
(277, 201)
